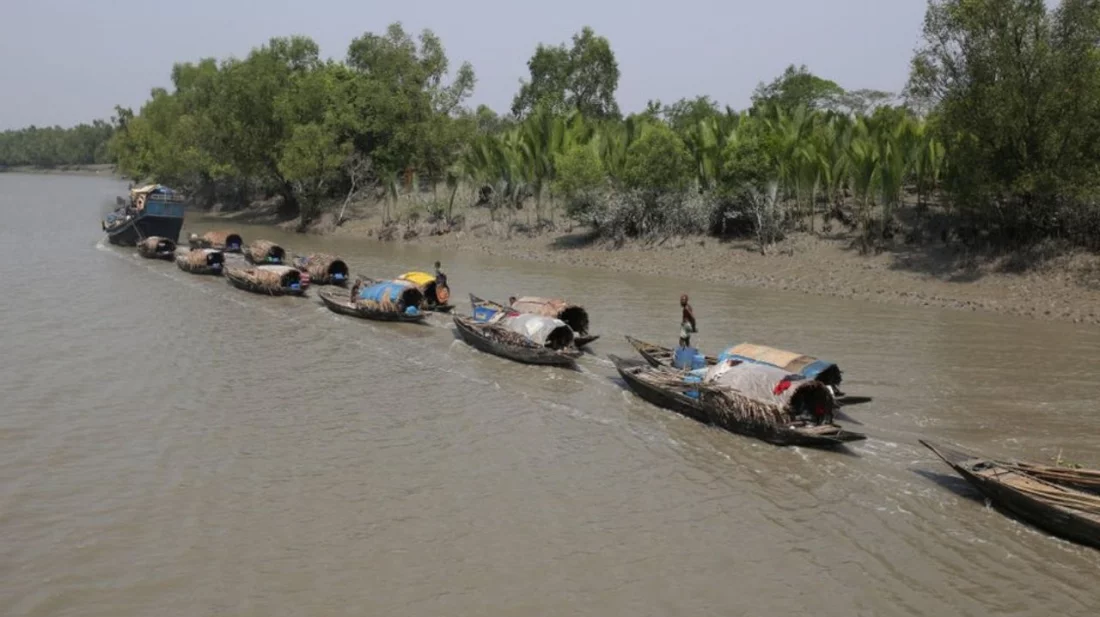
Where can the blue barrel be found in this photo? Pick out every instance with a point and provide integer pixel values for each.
(684, 358)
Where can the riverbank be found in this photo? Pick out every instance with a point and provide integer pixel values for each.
(1044, 283)
(68, 170)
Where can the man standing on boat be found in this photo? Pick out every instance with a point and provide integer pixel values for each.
(355, 290)
(687, 322)
(440, 278)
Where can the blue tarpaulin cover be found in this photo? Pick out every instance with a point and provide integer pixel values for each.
(389, 291)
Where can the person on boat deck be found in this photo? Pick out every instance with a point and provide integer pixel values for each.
(687, 322)
(511, 300)
(440, 277)
(355, 290)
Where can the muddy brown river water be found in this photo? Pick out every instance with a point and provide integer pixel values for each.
(170, 445)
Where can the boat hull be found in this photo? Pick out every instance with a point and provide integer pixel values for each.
(1018, 504)
(470, 332)
(247, 285)
(212, 270)
(129, 233)
(579, 341)
(338, 302)
(632, 372)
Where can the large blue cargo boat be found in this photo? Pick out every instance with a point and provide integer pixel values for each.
(152, 210)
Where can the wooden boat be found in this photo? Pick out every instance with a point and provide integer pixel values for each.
(1058, 508)
(338, 301)
(201, 261)
(152, 210)
(572, 314)
(323, 269)
(270, 280)
(436, 296)
(657, 355)
(225, 241)
(265, 252)
(1087, 480)
(156, 247)
(640, 377)
(499, 341)
(729, 410)
(484, 310)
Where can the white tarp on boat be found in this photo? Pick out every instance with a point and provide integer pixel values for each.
(756, 381)
(538, 329)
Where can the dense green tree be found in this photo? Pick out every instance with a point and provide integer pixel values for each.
(84, 144)
(581, 78)
(658, 161)
(1015, 92)
(797, 87)
(686, 114)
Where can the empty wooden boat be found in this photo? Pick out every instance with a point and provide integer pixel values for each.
(1045, 500)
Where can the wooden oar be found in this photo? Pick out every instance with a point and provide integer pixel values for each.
(854, 400)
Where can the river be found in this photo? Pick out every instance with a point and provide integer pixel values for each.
(171, 445)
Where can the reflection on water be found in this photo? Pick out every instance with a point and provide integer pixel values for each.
(171, 445)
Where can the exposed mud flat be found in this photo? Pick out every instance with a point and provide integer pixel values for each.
(1062, 288)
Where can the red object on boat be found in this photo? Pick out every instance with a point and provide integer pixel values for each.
(781, 387)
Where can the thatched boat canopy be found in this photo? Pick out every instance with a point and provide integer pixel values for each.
(267, 277)
(224, 240)
(392, 296)
(785, 395)
(572, 314)
(543, 331)
(324, 268)
(204, 257)
(807, 366)
(265, 252)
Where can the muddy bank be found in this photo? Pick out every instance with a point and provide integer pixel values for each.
(1047, 285)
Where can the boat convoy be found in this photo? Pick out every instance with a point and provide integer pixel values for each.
(776, 396)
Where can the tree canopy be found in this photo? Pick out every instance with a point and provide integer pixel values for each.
(1000, 128)
(84, 144)
(581, 78)
(797, 87)
(1015, 91)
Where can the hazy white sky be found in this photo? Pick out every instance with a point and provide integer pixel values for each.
(69, 61)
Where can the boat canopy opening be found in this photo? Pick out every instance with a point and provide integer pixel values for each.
(338, 270)
(576, 317)
(233, 242)
(545, 331)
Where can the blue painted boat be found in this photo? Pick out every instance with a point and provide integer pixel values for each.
(152, 210)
